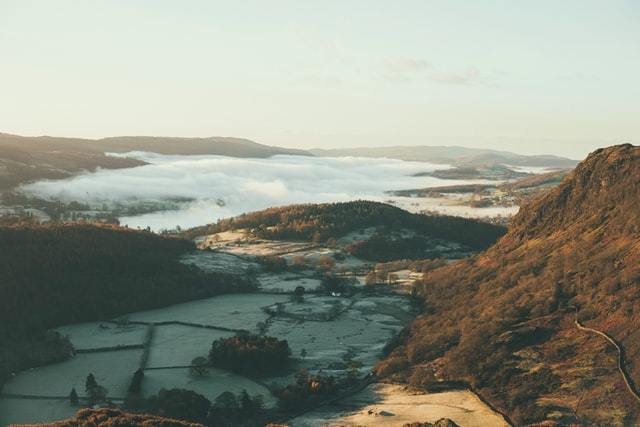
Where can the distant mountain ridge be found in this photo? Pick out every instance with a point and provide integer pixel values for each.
(25, 159)
(456, 155)
(216, 145)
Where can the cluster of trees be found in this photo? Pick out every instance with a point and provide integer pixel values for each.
(320, 222)
(59, 274)
(273, 263)
(381, 248)
(227, 410)
(250, 354)
(332, 283)
(95, 392)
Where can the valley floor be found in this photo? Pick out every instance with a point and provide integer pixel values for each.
(328, 334)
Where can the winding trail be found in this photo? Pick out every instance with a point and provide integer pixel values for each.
(622, 367)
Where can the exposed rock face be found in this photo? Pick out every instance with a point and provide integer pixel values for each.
(504, 320)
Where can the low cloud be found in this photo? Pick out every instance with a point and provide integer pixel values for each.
(220, 187)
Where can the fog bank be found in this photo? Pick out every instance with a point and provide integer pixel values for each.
(220, 187)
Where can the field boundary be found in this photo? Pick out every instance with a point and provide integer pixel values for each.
(49, 397)
(182, 323)
(111, 348)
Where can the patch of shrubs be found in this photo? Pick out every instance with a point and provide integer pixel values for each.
(250, 354)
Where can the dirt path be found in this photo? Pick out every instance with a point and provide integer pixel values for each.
(628, 381)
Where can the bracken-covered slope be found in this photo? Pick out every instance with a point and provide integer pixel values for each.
(117, 418)
(504, 320)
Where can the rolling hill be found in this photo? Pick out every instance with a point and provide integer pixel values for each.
(25, 159)
(461, 156)
(524, 323)
(221, 146)
(320, 222)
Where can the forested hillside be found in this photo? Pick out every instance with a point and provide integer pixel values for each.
(320, 222)
(504, 320)
(58, 274)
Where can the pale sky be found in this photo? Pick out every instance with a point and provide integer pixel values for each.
(557, 76)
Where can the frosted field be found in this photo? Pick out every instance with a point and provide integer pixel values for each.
(312, 256)
(177, 345)
(100, 334)
(318, 308)
(263, 248)
(396, 306)
(218, 262)
(113, 370)
(21, 411)
(286, 282)
(358, 334)
(234, 311)
(388, 405)
(217, 381)
(328, 343)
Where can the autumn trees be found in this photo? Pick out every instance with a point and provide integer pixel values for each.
(250, 354)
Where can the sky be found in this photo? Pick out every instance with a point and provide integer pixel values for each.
(532, 77)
